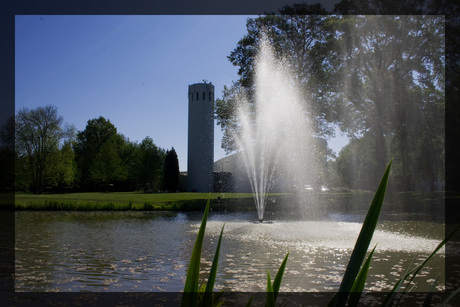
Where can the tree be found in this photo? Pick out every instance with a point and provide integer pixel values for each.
(89, 142)
(127, 152)
(388, 67)
(451, 10)
(296, 35)
(225, 113)
(38, 134)
(64, 170)
(355, 165)
(150, 164)
(379, 76)
(382, 7)
(107, 166)
(171, 171)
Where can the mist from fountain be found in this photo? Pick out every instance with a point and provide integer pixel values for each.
(275, 137)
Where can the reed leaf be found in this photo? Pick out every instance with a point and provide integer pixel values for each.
(270, 295)
(391, 296)
(429, 296)
(190, 295)
(363, 241)
(360, 281)
(273, 289)
(389, 299)
(249, 303)
(279, 276)
(440, 245)
(417, 268)
(451, 296)
(208, 295)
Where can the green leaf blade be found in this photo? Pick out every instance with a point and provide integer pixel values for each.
(363, 241)
(440, 245)
(429, 296)
(270, 295)
(212, 275)
(360, 281)
(193, 273)
(279, 276)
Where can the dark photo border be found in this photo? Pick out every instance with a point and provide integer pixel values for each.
(10, 8)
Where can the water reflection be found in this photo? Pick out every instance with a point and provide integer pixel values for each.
(136, 251)
(100, 251)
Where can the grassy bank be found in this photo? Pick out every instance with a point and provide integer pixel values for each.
(123, 201)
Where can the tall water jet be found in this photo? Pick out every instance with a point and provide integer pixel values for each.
(274, 134)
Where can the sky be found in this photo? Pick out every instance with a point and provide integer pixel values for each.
(132, 70)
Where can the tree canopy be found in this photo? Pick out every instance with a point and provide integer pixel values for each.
(149, 165)
(89, 146)
(171, 171)
(48, 154)
(378, 76)
(38, 135)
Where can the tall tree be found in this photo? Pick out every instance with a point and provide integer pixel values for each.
(107, 166)
(128, 152)
(385, 64)
(171, 171)
(64, 170)
(38, 134)
(451, 10)
(355, 165)
(295, 35)
(89, 142)
(370, 75)
(150, 164)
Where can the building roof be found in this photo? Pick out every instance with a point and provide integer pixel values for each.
(228, 163)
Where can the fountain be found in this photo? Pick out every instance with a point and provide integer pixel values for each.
(275, 136)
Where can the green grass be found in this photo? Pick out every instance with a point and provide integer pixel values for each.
(119, 201)
(130, 196)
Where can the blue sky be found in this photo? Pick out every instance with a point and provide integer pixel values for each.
(133, 70)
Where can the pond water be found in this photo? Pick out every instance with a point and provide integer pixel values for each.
(149, 251)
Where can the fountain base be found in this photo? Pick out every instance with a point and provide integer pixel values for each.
(262, 222)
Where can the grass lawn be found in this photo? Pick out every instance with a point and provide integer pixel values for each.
(121, 201)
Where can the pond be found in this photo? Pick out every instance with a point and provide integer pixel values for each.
(150, 251)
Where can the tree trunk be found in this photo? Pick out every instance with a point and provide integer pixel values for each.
(380, 152)
(379, 118)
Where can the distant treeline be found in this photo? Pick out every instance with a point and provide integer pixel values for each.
(53, 156)
(50, 156)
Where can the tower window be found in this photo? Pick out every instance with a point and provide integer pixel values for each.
(204, 97)
(209, 96)
(197, 96)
